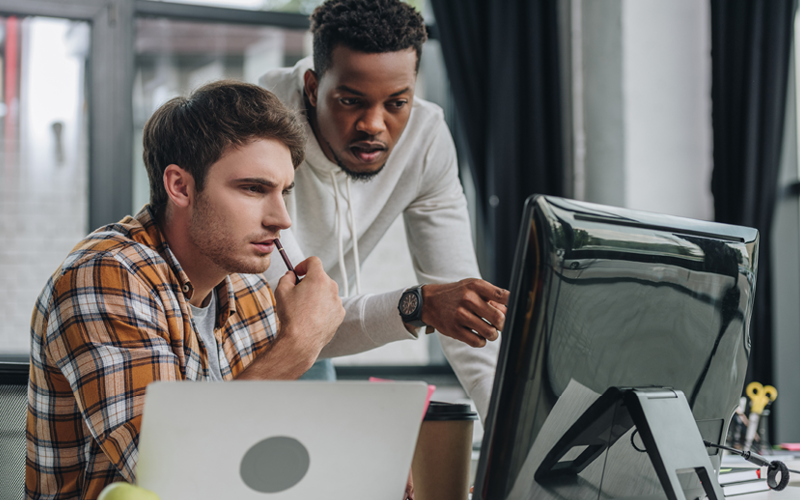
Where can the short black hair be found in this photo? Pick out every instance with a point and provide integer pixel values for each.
(369, 26)
(194, 132)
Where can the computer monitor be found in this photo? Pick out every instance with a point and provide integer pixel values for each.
(606, 297)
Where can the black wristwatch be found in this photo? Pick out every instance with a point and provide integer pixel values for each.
(410, 306)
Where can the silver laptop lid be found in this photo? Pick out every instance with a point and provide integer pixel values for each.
(280, 440)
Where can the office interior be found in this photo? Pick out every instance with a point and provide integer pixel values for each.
(609, 101)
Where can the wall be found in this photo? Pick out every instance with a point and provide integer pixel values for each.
(786, 270)
(602, 102)
(647, 104)
(667, 116)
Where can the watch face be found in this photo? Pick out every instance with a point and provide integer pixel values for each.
(408, 304)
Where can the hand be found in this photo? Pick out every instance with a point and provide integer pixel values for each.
(458, 310)
(310, 311)
(409, 493)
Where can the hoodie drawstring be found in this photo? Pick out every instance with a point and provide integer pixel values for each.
(355, 236)
(352, 225)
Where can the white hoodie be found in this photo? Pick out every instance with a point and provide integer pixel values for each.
(420, 181)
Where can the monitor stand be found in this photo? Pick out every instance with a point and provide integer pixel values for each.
(664, 422)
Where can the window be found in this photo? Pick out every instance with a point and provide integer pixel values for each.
(173, 57)
(65, 169)
(44, 155)
(296, 6)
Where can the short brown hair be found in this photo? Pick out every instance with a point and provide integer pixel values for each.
(193, 132)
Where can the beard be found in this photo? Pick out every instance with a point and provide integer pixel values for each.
(209, 234)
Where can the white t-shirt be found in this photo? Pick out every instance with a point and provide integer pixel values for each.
(420, 182)
(204, 320)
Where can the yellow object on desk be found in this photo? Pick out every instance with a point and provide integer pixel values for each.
(126, 491)
(760, 396)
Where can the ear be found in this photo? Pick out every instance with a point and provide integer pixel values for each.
(179, 185)
(311, 83)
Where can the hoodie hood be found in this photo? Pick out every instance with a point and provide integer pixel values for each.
(324, 169)
(289, 82)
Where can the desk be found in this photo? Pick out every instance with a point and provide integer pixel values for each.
(791, 492)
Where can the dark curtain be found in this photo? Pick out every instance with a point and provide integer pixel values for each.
(502, 60)
(750, 47)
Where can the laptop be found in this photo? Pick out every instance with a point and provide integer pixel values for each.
(279, 440)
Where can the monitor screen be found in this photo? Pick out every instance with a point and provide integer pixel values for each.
(607, 297)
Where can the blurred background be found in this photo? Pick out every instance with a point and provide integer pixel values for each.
(685, 107)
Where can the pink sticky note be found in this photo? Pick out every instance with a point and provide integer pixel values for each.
(431, 389)
(790, 446)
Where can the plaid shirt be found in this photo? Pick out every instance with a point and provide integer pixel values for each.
(113, 318)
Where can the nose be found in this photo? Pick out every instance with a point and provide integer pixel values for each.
(276, 216)
(371, 121)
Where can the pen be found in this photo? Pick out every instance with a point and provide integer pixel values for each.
(286, 259)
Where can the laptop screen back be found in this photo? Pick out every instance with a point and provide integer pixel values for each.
(290, 440)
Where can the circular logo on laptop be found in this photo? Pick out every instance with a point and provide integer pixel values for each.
(274, 464)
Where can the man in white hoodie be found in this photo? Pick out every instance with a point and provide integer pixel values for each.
(376, 152)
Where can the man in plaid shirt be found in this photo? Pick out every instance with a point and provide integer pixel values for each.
(128, 305)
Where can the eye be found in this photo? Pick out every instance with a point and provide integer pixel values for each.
(254, 188)
(287, 192)
(398, 104)
(348, 101)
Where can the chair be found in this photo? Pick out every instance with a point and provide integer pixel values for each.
(13, 413)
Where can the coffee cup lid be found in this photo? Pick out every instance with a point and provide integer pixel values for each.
(438, 410)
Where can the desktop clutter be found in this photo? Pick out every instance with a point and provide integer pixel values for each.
(441, 458)
(750, 431)
(748, 437)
